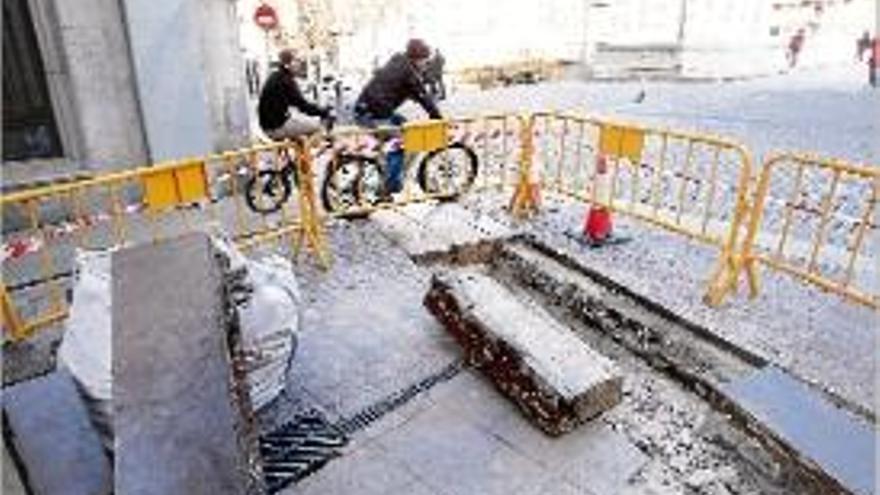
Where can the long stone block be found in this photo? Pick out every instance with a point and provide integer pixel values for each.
(556, 379)
(183, 418)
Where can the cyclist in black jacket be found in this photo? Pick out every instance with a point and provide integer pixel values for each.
(279, 94)
(399, 80)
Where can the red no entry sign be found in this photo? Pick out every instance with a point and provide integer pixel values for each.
(265, 17)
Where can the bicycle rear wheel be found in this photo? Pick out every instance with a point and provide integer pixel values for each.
(449, 171)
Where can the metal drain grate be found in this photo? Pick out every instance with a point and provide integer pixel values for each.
(307, 442)
(298, 448)
(372, 413)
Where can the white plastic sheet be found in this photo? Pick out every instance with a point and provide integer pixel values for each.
(269, 319)
(85, 349)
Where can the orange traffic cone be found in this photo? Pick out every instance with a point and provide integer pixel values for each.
(597, 222)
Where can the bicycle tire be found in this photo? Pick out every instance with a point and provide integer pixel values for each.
(471, 168)
(355, 188)
(256, 186)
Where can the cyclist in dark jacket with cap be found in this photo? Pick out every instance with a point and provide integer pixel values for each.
(279, 94)
(399, 80)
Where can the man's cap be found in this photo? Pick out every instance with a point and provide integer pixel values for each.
(286, 56)
(417, 49)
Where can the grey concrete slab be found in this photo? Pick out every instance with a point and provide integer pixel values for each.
(795, 325)
(608, 465)
(54, 438)
(555, 484)
(841, 444)
(31, 357)
(394, 419)
(182, 415)
(475, 397)
(454, 456)
(366, 471)
(12, 484)
(365, 333)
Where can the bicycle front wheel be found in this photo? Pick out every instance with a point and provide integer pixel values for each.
(352, 182)
(266, 191)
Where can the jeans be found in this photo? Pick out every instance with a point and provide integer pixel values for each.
(394, 160)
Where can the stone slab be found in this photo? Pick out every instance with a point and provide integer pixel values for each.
(553, 376)
(183, 419)
(428, 229)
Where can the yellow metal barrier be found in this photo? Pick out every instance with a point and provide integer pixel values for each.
(692, 184)
(814, 218)
(141, 205)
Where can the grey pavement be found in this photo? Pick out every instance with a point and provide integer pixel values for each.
(366, 335)
(12, 484)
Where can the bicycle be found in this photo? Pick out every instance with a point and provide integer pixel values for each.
(365, 179)
(354, 179)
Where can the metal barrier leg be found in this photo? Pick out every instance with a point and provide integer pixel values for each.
(312, 229)
(754, 282)
(11, 320)
(723, 280)
(523, 200)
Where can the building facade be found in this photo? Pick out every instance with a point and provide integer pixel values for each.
(97, 85)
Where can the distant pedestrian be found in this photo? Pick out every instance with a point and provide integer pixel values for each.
(873, 62)
(434, 76)
(795, 45)
(863, 45)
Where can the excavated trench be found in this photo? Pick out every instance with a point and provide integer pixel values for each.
(692, 402)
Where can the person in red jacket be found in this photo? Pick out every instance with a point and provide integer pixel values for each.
(873, 62)
(795, 46)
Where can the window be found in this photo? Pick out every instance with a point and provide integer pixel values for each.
(29, 127)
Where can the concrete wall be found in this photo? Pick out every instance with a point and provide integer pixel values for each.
(94, 58)
(190, 75)
(729, 38)
(137, 81)
(225, 82)
(635, 22)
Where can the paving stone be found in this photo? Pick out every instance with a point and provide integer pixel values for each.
(366, 471)
(607, 466)
(555, 484)
(54, 438)
(454, 456)
(12, 484)
(393, 420)
(183, 417)
(554, 377)
(473, 397)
